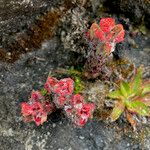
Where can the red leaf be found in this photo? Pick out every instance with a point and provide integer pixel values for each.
(108, 48)
(106, 24)
(119, 33)
(131, 120)
(47, 87)
(86, 110)
(64, 87)
(36, 96)
(76, 101)
(26, 109)
(50, 83)
(80, 122)
(60, 101)
(100, 35)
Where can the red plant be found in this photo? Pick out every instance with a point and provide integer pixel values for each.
(61, 91)
(35, 110)
(50, 83)
(76, 101)
(64, 87)
(107, 32)
(60, 101)
(83, 114)
(36, 96)
(79, 111)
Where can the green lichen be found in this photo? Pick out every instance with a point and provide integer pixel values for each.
(79, 85)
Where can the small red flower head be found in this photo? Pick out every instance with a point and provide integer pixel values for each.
(26, 109)
(112, 32)
(64, 87)
(37, 106)
(76, 101)
(108, 33)
(36, 111)
(36, 96)
(106, 24)
(78, 111)
(50, 83)
(80, 122)
(86, 111)
(60, 100)
(40, 117)
(82, 115)
(41, 110)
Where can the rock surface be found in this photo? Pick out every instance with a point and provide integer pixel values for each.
(18, 15)
(30, 72)
(136, 10)
(18, 79)
(24, 25)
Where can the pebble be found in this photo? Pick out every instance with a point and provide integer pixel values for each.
(54, 125)
(81, 137)
(147, 50)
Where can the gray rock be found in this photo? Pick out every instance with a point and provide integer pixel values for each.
(136, 10)
(17, 15)
(18, 79)
(30, 72)
(25, 24)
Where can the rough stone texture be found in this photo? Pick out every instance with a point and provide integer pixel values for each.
(133, 48)
(24, 25)
(136, 10)
(18, 79)
(31, 70)
(18, 15)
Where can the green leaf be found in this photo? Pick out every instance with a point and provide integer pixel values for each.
(78, 85)
(125, 89)
(115, 94)
(117, 111)
(145, 99)
(137, 81)
(43, 91)
(91, 34)
(146, 88)
(139, 108)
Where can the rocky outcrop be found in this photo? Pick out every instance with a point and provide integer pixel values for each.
(136, 10)
(25, 24)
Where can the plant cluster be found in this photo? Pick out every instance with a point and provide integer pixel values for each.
(36, 109)
(102, 40)
(57, 94)
(132, 98)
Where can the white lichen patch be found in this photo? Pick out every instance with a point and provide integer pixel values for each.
(8, 132)
(36, 140)
(96, 92)
(73, 37)
(22, 2)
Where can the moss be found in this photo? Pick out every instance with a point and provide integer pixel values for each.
(79, 85)
(42, 30)
(102, 114)
(121, 69)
